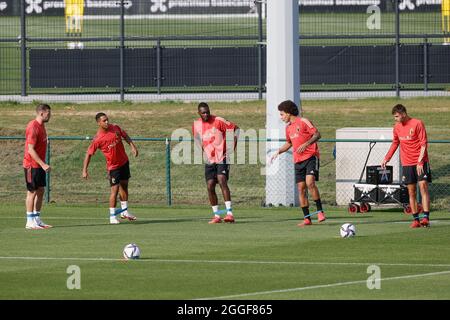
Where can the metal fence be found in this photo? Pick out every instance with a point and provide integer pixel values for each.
(159, 179)
(169, 46)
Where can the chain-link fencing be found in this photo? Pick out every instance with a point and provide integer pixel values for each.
(160, 177)
(134, 48)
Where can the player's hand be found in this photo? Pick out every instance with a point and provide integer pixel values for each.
(85, 175)
(383, 164)
(419, 168)
(273, 157)
(135, 152)
(46, 167)
(302, 148)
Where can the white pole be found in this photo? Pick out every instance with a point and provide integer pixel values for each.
(283, 83)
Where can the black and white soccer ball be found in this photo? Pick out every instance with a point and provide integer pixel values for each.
(347, 230)
(131, 251)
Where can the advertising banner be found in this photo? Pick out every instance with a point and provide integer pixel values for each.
(206, 7)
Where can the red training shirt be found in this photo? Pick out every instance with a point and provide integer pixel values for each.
(212, 133)
(110, 143)
(36, 135)
(298, 132)
(411, 136)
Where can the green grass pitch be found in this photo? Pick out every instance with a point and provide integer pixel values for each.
(264, 255)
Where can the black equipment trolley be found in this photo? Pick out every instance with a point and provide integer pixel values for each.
(378, 189)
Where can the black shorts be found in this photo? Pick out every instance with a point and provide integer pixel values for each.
(35, 178)
(119, 174)
(307, 167)
(409, 174)
(212, 170)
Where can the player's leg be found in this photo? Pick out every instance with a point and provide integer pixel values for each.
(213, 200)
(123, 196)
(409, 177)
(40, 182)
(425, 196)
(38, 200)
(211, 181)
(124, 176)
(114, 182)
(300, 180)
(312, 175)
(412, 193)
(424, 179)
(30, 202)
(304, 203)
(223, 171)
(112, 204)
(212, 196)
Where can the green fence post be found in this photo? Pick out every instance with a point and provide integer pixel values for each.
(168, 185)
(47, 174)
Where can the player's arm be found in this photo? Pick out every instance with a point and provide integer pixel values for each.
(38, 159)
(226, 126)
(315, 137)
(285, 147)
(134, 149)
(392, 149)
(420, 160)
(197, 137)
(237, 131)
(423, 142)
(87, 160)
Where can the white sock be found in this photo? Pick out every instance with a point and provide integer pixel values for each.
(29, 216)
(37, 216)
(215, 211)
(228, 206)
(124, 205)
(112, 213)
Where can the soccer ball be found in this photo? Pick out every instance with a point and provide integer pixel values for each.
(348, 230)
(131, 251)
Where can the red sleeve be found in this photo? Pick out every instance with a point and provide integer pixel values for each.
(31, 135)
(308, 127)
(93, 147)
(231, 125)
(288, 138)
(224, 125)
(394, 146)
(122, 132)
(422, 134)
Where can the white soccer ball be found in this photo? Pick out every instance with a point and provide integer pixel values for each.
(131, 251)
(348, 230)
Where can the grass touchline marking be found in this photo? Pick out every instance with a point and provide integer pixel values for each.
(324, 286)
(232, 261)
